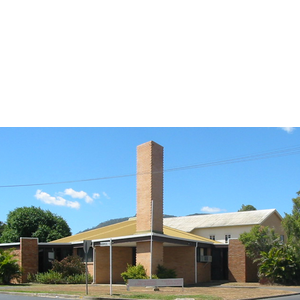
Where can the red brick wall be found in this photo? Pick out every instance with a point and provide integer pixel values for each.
(149, 187)
(121, 256)
(251, 271)
(29, 256)
(182, 260)
(236, 261)
(240, 267)
(143, 255)
(204, 272)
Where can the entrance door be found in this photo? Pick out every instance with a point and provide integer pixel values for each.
(219, 265)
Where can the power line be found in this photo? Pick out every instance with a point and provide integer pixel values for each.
(265, 155)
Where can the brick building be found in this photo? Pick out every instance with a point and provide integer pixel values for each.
(144, 239)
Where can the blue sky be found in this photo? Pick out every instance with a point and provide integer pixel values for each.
(206, 170)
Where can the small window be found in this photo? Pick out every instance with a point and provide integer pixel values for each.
(282, 238)
(227, 237)
(81, 254)
(212, 237)
(201, 252)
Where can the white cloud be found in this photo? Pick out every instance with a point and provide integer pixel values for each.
(78, 195)
(208, 209)
(105, 195)
(46, 198)
(96, 196)
(288, 129)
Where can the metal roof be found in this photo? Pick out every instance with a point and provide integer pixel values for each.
(127, 229)
(189, 223)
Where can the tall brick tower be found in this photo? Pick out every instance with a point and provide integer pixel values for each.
(149, 191)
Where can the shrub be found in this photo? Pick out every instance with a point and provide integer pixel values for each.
(79, 279)
(9, 267)
(163, 272)
(134, 272)
(50, 277)
(70, 265)
(280, 265)
(69, 270)
(53, 277)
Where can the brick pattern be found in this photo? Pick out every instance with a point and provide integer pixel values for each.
(240, 267)
(149, 187)
(182, 260)
(236, 261)
(143, 255)
(121, 256)
(29, 253)
(204, 270)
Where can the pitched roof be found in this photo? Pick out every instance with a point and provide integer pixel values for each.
(126, 228)
(188, 223)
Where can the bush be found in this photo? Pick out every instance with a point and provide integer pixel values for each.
(280, 265)
(50, 277)
(163, 272)
(53, 277)
(70, 265)
(134, 272)
(79, 279)
(69, 270)
(9, 267)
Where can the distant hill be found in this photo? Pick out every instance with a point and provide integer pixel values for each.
(115, 221)
(198, 214)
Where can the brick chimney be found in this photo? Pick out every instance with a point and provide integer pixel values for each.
(149, 187)
(149, 191)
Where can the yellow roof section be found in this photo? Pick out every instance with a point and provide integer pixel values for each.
(115, 230)
(126, 228)
(185, 235)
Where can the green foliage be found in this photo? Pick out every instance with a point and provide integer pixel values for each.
(247, 207)
(259, 239)
(69, 270)
(134, 272)
(2, 226)
(163, 272)
(34, 222)
(9, 267)
(52, 277)
(79, 279)
(291, 222)
(280, 265)
(69, 266)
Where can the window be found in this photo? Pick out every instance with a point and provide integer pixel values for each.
(81, 254)
(201, 252)
(212, 237)
(227, 237)
(282, 238)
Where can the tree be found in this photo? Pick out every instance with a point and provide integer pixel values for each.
(34, 222)
(291, 222)
(2, 225)
(259, 239)
(9, 267)
(247, 207)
